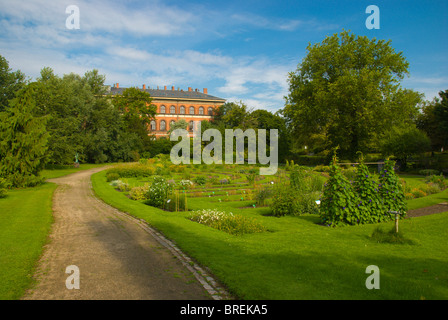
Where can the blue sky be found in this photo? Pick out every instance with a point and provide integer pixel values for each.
(239, 50)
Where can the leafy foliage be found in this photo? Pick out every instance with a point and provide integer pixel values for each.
(346, 92)
(23, 141)
(391, 191)
(339, 203)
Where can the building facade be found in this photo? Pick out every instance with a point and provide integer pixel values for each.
(175, 104)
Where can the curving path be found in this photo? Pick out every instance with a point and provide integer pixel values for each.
(118, 256)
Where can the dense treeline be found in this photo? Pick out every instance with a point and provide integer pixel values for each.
(54, 119)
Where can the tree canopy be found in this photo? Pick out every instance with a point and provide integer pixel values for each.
(346, 92)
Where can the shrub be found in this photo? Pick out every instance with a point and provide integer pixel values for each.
(428, 172)
(132, 170)
(283, 200)
(339, 201)
(111, 176)
(200, 180)
(227, 222)
(391, 191)
(439, 180)
(262, 194)
(139, 193)
(417, 193)
(158, 192)
(371, 206)
(185, 184)
(3, 185)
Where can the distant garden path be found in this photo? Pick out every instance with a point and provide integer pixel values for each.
(438, 208)
(118, 257)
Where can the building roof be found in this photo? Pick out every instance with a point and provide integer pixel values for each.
(190, 94)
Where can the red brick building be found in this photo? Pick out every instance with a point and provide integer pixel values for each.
(175, 104)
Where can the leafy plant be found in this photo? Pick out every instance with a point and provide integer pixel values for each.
(391, 191)
(339, 203)
(370, 204)
(158, 192)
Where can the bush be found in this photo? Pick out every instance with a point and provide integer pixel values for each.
(283, 200)
(200, 180)
(132, 170)
(227, 222)
(262, 194)
(439, 180)
(111, 176)
(429, 172)
(3, 185)
(339, 204)
(158, 192)
(139, 193)
(391, 191)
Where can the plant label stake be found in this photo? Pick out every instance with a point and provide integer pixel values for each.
(396, 219)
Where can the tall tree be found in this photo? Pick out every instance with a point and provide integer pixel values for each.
(23, 141)
(434, 121)
(346, 92)
(10, 83)
(137, 111)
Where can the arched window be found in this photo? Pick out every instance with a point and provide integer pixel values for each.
(191, 110)
(201, 110)
(162, 109)
(162, 125)
(190, 127)
(210, 111)
(172, 122)
(172, 109)
(182, 110)
(153, 125)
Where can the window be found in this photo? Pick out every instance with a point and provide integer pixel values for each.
(162, 109)
(191, 110)
(191, 125)
(182, 110)
(153, 125)
(172, 109)
(172, 122)
(162, 125)
(201, 110)
(210, 111)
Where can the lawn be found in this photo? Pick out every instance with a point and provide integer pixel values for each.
(296, 258)
(25, 222)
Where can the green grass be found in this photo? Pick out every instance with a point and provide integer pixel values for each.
(296, 258)
(25, 221)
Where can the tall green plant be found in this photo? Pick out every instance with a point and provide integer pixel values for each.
(391, 191)
(23, 141)
(370, 204)
(339, 203)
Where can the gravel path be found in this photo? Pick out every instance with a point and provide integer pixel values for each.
(118, 256)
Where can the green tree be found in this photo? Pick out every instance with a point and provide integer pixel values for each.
(23, 141)
(137, 112)
(346, 92)
(404, 143)
(434, 121)
(10, 83)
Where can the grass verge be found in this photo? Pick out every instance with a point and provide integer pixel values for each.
(25, 222)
